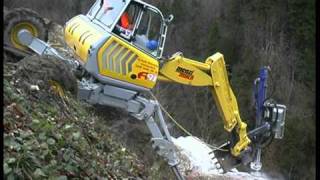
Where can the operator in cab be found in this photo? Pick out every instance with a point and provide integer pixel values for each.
(143, 37)
(125, 25)
(125, 21)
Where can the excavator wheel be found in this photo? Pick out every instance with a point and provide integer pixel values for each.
(22, 18)
(47, 72)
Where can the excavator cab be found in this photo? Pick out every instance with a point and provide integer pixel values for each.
(120, 42)
(135, 22)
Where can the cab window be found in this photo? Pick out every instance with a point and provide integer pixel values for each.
(109, 10)
(148, 32)
(128, 21)
(140, 26)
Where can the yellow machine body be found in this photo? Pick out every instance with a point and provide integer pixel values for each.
(114, 57)
(80, 35)
(120, 60)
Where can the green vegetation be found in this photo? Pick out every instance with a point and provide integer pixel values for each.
(51, 137)
(301, 28)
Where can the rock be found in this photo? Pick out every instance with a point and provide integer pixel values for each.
(34, 88)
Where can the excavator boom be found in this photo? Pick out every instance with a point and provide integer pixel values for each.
(212, 73)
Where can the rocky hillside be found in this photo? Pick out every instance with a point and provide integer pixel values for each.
(53, 136)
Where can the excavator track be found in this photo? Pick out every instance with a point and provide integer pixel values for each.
(16, 20)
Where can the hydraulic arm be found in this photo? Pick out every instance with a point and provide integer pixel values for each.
(212, 73)
(244, 146)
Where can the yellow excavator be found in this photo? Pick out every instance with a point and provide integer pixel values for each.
(119, 47)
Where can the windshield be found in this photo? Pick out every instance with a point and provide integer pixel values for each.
(108, 11)
(148, 32)
(150, 25)
(137, 23)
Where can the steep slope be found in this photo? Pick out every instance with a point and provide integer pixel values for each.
(51, 136)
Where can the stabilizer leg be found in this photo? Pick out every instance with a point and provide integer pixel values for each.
(139, 107)
(161, 138)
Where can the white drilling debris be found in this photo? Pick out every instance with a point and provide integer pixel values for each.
(197, 162)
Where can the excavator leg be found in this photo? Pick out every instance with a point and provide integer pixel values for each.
(162, 143)
(139, 107)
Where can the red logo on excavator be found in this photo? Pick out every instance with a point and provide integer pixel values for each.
(147, 76)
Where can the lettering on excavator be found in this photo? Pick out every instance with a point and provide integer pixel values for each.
(185, 73)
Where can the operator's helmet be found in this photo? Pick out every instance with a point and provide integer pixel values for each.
(125, 21)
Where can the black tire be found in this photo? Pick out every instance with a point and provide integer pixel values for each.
(36, 68)
(23, 15)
